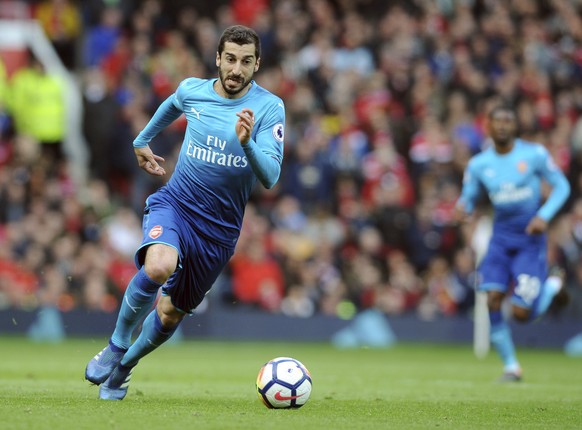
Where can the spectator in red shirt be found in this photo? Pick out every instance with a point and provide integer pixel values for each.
(256, 277)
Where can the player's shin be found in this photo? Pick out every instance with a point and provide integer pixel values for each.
(502, 342)
(551, 287)
(153, 334)
(137, 302)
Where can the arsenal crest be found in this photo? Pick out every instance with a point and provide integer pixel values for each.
(156, 232)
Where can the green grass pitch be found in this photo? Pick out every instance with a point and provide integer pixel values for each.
(210, 385)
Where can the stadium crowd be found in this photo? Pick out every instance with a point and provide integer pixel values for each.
(386, 101)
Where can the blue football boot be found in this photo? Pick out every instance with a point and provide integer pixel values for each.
(101, 366)
(115, 388)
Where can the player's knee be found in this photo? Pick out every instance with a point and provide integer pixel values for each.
(169, 316)
(158, 270)
(520, 314)
(494, 301)
(170, 320)
(160, 262)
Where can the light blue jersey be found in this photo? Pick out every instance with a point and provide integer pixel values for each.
(213, 178)
(515, 264)
(191, 225)
(513, 183)
(199, 212)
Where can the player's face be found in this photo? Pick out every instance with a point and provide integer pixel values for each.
(502, 127)
(236, 66)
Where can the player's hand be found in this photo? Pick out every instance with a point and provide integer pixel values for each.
(460, 215)
(537, 225)
(148, 161)
(244, 125)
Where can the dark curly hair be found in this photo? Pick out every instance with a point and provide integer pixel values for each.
(240, 35)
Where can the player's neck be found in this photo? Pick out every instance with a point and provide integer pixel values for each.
(504, 148)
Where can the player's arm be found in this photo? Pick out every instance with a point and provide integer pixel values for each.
(469, 194)
(166, 113)
(265, 154)
(558, 196)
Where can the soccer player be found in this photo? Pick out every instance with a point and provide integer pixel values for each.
(511, 173)
(234, 137)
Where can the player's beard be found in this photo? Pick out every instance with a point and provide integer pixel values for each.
(504, 142)
(233, 91)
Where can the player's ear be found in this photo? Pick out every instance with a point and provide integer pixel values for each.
(217, 59)
(257, 64)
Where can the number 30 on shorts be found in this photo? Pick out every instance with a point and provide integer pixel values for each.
(528, 288)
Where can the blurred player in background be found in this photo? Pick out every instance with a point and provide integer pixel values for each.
(191, 225)
(511, 173)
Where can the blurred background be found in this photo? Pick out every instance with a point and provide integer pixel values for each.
(386, 101)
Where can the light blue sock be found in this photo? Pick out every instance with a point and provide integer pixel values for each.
(501, 340)
(549, 289)
(137, 302)
(152, 335)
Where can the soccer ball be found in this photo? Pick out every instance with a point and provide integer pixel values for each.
(284, 383)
